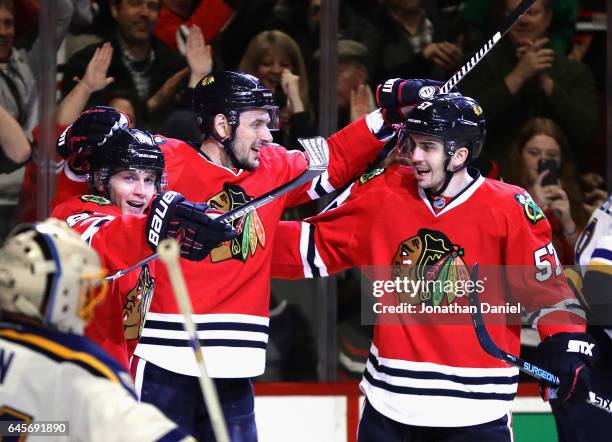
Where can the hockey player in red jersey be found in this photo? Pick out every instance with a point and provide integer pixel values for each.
(230, 290)
(432, 381)
(124, 175)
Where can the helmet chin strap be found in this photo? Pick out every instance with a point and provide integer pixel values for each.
(447, 179)
(450, 150)
(228, 146)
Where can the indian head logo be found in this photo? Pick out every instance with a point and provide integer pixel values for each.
(251, 232)
(136, 306)
(430, 256)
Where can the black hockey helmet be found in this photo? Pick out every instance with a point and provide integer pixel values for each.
(229, 93)
(457, 119)
(127, 149)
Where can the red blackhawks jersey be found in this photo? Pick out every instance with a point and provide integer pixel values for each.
(119, 319)
(230, 289)
(435, 373)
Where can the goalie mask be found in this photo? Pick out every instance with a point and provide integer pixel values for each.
(49, 274)
(127, 149)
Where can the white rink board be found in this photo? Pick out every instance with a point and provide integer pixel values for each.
(324, 418)
(301, 418)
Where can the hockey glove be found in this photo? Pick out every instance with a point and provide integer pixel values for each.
(396, 96)
(171, 216)
(91, 129)
(570, 356)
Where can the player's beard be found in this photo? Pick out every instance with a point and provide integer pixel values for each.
(242, 161)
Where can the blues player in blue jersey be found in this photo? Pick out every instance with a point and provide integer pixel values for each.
(50, 282)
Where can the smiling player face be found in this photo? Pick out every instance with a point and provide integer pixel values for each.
(427, 156)
(131, 190)
(252, 134)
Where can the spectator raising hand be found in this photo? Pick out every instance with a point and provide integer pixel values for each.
(142, 66)
(94, 80)
(95, 75)
(362, 101)
(15, 149)
(199, 56)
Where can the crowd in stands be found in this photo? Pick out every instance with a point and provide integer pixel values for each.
(541, 87)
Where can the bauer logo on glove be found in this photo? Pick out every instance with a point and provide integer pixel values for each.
(171, 216)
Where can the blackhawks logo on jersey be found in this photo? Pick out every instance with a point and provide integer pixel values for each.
(136, 306)
(99, 200)
(431, 256)
(368, 176)
(251, 233)
(532, 212)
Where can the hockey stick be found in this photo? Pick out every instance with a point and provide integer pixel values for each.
(503, 29)
(318, 152)
(466, 68)
(489, 346)
(168, 251)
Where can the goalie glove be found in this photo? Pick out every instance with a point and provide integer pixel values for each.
(93, 127)
(570, 356)
(397, 96)
(171, 216)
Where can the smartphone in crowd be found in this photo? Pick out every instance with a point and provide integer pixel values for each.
(551, 165)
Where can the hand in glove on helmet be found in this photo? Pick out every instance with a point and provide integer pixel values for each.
(570, 356)
(93, 127)
(171, 216)
(397, 96)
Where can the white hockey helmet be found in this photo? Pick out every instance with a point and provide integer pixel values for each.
(48, 273)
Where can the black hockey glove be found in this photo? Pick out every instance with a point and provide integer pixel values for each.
(170, 216)
(570, 356)
(396, 96)
(93, 127)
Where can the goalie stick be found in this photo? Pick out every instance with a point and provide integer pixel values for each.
(318, 153)
(490, 347)
(168, 251)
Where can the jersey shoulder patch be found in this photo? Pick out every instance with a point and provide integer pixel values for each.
(99, 200)
(369, 176)
(530, 209)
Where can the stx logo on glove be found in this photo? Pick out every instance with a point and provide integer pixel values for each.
(157, 221)
(585, 348)
(601, 402)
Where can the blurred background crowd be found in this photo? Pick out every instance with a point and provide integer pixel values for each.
(542, 89)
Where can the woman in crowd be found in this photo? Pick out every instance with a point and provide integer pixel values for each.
(541, 139)
(276, 59)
